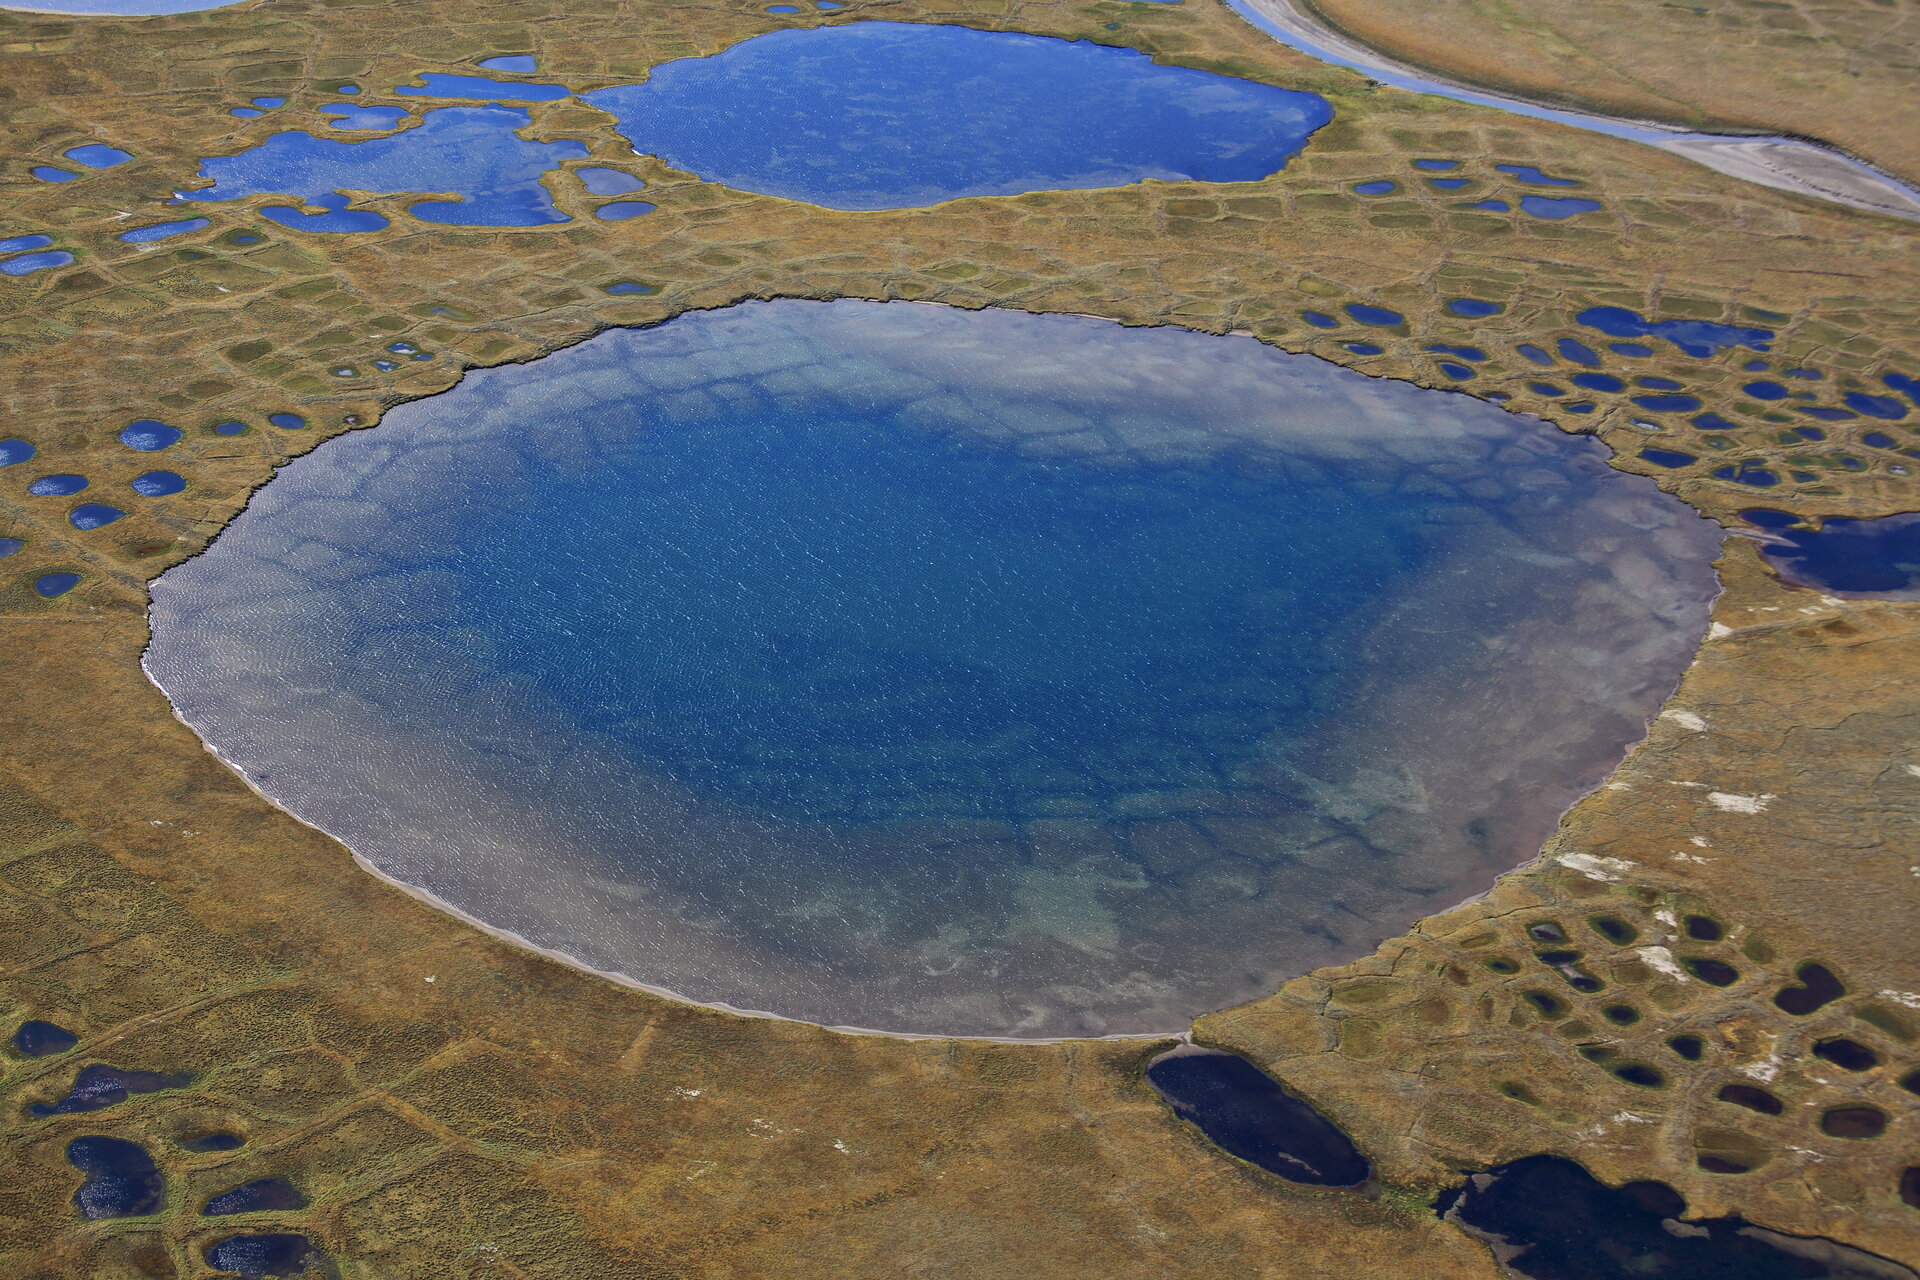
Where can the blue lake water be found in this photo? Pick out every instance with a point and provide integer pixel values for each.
(471, 152)
(28, 263)
(605, 182)
(1556, 210)
(257, 1256)
(904, 666)
(1694, 337)
(148, 435)
(1552, 1220)
(163, 230)
(884, 115)
(440, 85)
(258, 1196)
(621, 210)
(99, 1086)
(19, 244)
(1850, 557)
(345, 115)
(1246, 1113)
(98, 155)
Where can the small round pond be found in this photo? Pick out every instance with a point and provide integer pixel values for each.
(928, 670)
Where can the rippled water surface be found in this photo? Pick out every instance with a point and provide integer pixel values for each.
(888, 115)
(930, 670)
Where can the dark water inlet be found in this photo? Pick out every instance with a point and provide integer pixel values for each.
(1549, 1219)
(1879, 557)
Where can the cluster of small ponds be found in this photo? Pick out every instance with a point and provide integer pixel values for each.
(122, 1179)
(886, 115)
(144, 435)
(1552, 208)
(1545, 1217)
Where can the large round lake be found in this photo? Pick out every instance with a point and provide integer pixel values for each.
(904, 667)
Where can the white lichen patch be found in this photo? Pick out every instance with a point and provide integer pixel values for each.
(1662, 959)
(1686, 720)
(1731, 803)
(1596, 867)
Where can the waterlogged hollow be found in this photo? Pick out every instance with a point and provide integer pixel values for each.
(928, 670)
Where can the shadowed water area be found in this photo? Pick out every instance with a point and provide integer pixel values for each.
(906, 667)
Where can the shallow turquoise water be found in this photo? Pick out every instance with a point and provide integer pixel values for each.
(932, 670)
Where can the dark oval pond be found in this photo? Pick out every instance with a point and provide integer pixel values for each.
(908, 667)
(1246, 1113)
(889, 115)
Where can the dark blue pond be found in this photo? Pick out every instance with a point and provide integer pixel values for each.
(1246, 1113)
(1556, 209)
(15, 451)
(122, 1180)
(97, 155)
(20, 244)
(621, 210)
(100, 1086)
(439, 85)
(1695, 337)
(345, 115)
(47, 173)
(938, 670)
(334, 218)
(884, 115)
(257, 1257)
(518, 63)
(43, 1039)
(259, 1196)
(50, 585)
(163, 230)
(26, 264)
(149, 436)
(1552, 1220)
(1527, 173)
(94, 515)
(608, 182)
(471, 152)
(158, 484)
(1850, 557)
(57, 486)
